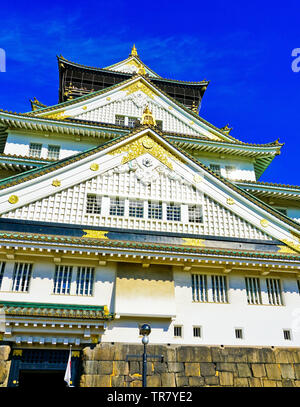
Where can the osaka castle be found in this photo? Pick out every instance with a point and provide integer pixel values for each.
(120, 205)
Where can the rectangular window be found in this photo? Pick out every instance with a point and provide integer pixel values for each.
(230, 170)
(120, 120)
(93, 204)
(62, 279)
(274, 291)
(117, 207)
(219, 289)
(199, 287)
(178, 331)
(2, 267)
(154, 210)
(195, 214)
(53, 152)
(173, 212)
(21, 277)
(35, 150)
(216, 168)
(132, 121)
(136, 209)
(197, 331)
(287, 334)
(239, 333)
(253, 290)
(85, 280)
(159, 124)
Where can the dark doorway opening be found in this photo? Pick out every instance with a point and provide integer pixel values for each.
(42, 378)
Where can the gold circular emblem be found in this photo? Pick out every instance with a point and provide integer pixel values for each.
(197, 178)
(56, 183)
(264, 223)
(13, 199)
(84, 107)
(230, 201)
(94, 167)
(191, 123)
(108, 98)
(148, 143)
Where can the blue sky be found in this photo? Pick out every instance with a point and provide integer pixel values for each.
(244, 49)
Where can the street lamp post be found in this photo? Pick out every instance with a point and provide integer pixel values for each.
(145, 331)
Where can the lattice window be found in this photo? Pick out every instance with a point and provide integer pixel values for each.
(195, 214)
(85, 280)
(197, 331)
(132, 121)
(199, 288)
(253, 290)
(154, 210)
(274, 291)
(35, 149)
(21, 277)
(178, 331)
(120, 120)
(117, 207)
(62, 279)
(216, 168)
(159, 124)
(230, 171)
(53, 152)
(136, 209)
(2, 267)
(219, 288)
(93, 204)
(173, 212)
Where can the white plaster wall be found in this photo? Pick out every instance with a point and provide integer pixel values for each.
(294, 213)
(18, 144)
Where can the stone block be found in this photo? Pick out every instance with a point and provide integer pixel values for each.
(175, 367)
(269, 383)
(287, 383)
(121, 350)
(185, 354)
(287, 371)
(260, 355)
(168, 379)
(226, 378)
(4, 352)
(136, 383)
(226, 367)
(236, 355)
(103, 351)
(219, 354)
(244, 370)
(4, 367)
(297, 383)
(159, 367)
(120, 368)
(105, 367)
(202, 354)
(254, 382)
(283, 355)
(192, 369)
(297, 370)
(90, 367)
(134, 367)
(154, 381)
(196, 381)
(181, 381)
(296, 355)
(118, 381)
(258, 370)
(207, 369)
(211, 380)
(273, 371)
(95, 381)
(241, 382)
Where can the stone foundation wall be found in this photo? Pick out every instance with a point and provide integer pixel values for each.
(105, 365)
(4, 364)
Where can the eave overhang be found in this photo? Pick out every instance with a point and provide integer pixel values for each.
(271, 190)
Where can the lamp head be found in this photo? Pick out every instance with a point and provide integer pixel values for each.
(145, 330)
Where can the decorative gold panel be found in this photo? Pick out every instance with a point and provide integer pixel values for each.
(139, 86)
(194, 242)
(95, 234)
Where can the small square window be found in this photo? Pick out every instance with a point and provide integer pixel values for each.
(287, 334)
(120, 120)
(239, 333)
(53, 152)
(35, 149)
(177, 331)
(197, 331)
(216, 168)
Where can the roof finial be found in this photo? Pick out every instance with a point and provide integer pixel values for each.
(226, 129)
(147, 117)
(134, 51)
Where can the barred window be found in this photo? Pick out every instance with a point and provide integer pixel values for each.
(117, 207)
(120, 120)
(62, 279)
(197, 331)
(195, 214)
(239, 333)
(93, 204)
(154, 210)
(21, 277)
(298, 284)
(216, 168)
(199, 287)
(219, 289)
(287, 334)
(274, 291)
(178, 331)
(132, 121)
(136, 209)
(230, 170)
(35, 149)
(253, 290)
(85, 280)
(53, 152)
(2, 267)
(173, 212)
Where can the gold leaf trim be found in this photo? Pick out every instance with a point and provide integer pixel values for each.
(264, 223)
(286, 249)
(139, 86)
(194, 242)
(56, 183)
(94, 167)
(95, 234)
(230, 201)
(13, 199)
